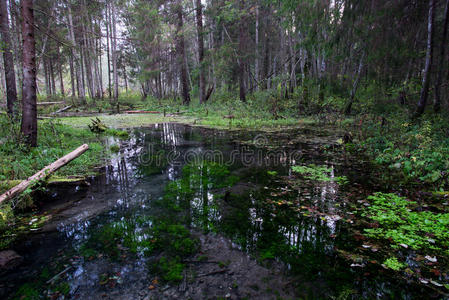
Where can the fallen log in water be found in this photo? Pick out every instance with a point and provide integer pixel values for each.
(43, 173)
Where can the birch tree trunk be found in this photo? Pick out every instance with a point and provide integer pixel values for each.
(429, 57)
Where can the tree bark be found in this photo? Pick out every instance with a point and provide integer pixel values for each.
(437, 101)
(108, 50)
(61, 79)
(114, 54)
(8, 62)
(29, 112)
(355, 86)
(429, 57)
(181, 54)
(199, 26)
(242, 54)
(76, 58)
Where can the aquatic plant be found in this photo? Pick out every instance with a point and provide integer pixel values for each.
(401, 225)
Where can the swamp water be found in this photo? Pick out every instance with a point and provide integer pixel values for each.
(192, 213)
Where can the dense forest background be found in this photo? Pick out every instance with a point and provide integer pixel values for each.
(324, 51)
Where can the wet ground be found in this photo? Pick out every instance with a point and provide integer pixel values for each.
(258, 231)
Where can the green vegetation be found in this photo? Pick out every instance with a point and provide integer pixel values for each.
(318, 173)
(17, 161)
(414, 153)
(394, 264)
(402, 225)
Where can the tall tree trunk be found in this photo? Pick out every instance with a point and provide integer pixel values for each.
(29, 112)
(114, 54)
(108, 50)
(257, 54)
(429, 57)
(242, 54)
(52, 77)
(181, 55)
(47, 78)
(8, 62)
(199, 27)
(61, 79)
(72, 76)
(355, 86)
(77, 58)
(437, 101)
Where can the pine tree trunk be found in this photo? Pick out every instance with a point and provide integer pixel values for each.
(8, 62)
(29, 113)
(429, 57)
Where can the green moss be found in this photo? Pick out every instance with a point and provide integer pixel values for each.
(118, 133)
(170, 269)
(114, 148)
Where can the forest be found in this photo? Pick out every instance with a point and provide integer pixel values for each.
(224, 149)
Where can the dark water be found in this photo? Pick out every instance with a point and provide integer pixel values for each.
(248, 195)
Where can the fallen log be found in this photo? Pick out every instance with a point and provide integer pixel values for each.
(49, 103)
(141, 112)
(43, 173)
(62, 109)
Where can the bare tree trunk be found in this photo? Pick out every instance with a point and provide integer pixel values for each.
(199, 26)
(242, 54)
(29, 113)
(61, 79)
(257, 58)
(72, 76)
(429, 57)
(47, 78)
(355, 86)
(77, 58)
(114, 54)
(437, 101)
(8, 62)
(107, 50)
(52, 77)
(181, 55)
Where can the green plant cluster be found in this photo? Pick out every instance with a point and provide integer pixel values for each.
(400, 224)
(317, 173)
(416, 153)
